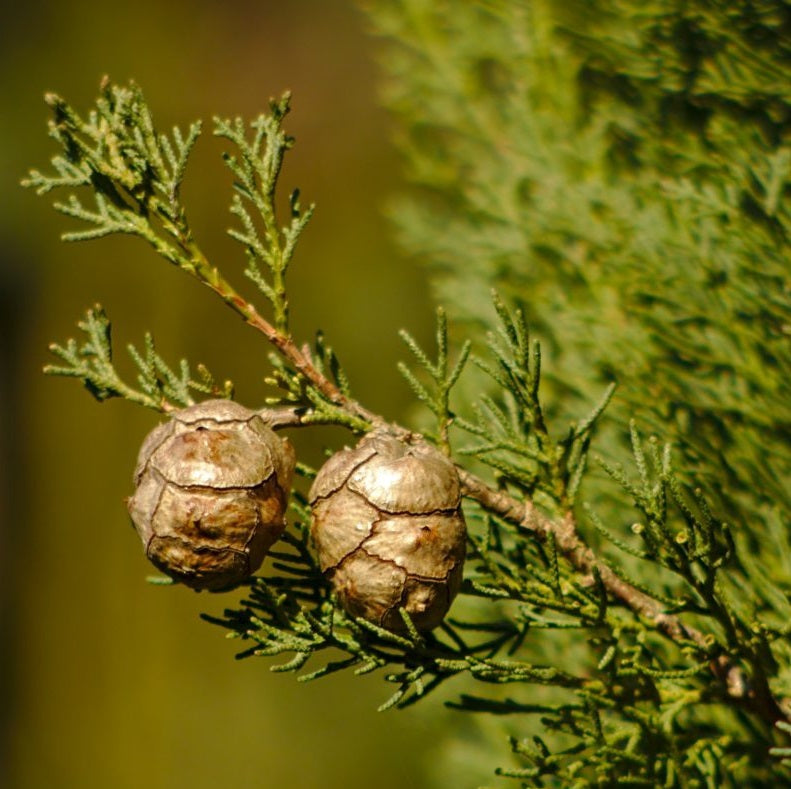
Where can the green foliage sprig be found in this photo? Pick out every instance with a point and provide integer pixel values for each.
(443, 378)
(627, 672)
(517, 443)
(257, 170)
(134, 173)
(161, 387)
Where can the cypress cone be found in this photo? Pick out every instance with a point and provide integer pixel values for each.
(389, 531)
(212, 487)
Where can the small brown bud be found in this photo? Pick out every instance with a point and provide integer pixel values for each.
(389, 530)
(212, 485)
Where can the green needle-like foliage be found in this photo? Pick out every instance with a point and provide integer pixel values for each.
(515, 440)
(443, 378)
(134, 172)
(256, 170)
(161, 387)
(637, 612)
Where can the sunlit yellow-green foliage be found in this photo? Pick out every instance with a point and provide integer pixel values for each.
(107, 681)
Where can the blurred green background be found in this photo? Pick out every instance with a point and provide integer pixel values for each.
(106, 681)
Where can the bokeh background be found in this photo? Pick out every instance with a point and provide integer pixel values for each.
(105, 680)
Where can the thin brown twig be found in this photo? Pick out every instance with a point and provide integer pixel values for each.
(284, 344)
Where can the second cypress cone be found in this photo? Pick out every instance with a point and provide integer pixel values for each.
(389, 530)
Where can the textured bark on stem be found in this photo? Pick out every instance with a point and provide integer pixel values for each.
(755, 695)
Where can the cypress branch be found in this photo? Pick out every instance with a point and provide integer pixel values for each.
(629, 671)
